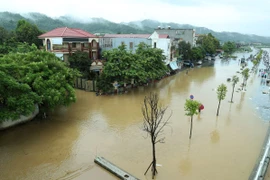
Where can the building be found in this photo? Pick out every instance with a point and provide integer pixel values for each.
(112, 41)
(155, 40)
(64, 41)
(178, 35)
(162, 41)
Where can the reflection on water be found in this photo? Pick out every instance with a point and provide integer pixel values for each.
(65, 145)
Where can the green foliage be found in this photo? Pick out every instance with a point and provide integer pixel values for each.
(245, 74)
(197, 53)
(27, 32)
(235, 80)
(209, 43)
(221, 92)
(184, 49)
(81, 61)
(191, 107)
(229, 47)
(36, 77)
(123, 66)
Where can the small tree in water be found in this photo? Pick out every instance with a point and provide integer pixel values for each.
(221, 94)
(235, 80)
(191, 108)
(245, 74)
(153, 124)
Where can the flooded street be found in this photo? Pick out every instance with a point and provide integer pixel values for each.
(225, 147)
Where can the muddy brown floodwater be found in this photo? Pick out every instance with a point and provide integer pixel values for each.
(64, 145)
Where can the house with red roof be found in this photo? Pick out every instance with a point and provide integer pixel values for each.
(64, 41)
(111, 41)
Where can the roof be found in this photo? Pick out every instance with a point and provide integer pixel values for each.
(127, 35)
(163, 36)
(67, 32)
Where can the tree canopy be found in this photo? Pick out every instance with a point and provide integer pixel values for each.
(123, 66)
(36, 77)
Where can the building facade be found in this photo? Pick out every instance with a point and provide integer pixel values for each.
(178, 35)
(64, 41)
(155, 40)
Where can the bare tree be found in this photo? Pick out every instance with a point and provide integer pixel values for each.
(153, 124)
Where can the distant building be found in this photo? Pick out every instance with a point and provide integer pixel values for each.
(178, 35)
(112, 41)
(162, 41)
(64, 41)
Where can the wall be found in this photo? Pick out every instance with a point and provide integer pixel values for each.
(22, 119)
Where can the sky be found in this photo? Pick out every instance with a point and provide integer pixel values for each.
(243, 16)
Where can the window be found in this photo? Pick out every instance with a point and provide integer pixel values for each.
(73, 45)
(155, 45)
(122, 43)
(130, 45)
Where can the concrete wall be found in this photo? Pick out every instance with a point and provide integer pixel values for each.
(22, 119)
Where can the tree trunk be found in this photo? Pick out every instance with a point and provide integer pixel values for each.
(232, 94)
(218, 107)
(191, 126)
(154, 170)
(243, 84)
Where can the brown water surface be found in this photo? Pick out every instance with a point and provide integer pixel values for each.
(64, 145)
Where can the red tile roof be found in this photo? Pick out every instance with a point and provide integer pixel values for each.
(127, 35)
(163, 36)
(67, 32)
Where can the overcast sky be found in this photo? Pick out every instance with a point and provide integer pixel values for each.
(244, 16)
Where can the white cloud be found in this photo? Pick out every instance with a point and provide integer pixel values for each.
(222, 15)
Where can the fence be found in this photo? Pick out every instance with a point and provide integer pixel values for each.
(84, 84)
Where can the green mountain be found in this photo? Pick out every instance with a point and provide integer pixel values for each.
(9, 21)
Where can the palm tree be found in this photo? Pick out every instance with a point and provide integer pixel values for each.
(235, 80)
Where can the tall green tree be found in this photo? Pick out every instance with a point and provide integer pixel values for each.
(221, 94)
(151, 60)
(235, 80)
(209, 43)
(27, 32)
(184, 49)
(197, 53)
(191, 108)
(229, 47)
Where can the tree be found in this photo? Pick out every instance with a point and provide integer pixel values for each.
(27, 32)
(153, 124)
(191, 108)
(81, 61)
(235, 80)
(221, 94)
(46, 76)
(245, 74)
(229, 47)
(197, 53)
(184, 49)
(123, 66)
(209, 43)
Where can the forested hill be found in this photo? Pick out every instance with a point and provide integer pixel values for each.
(9, 21)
